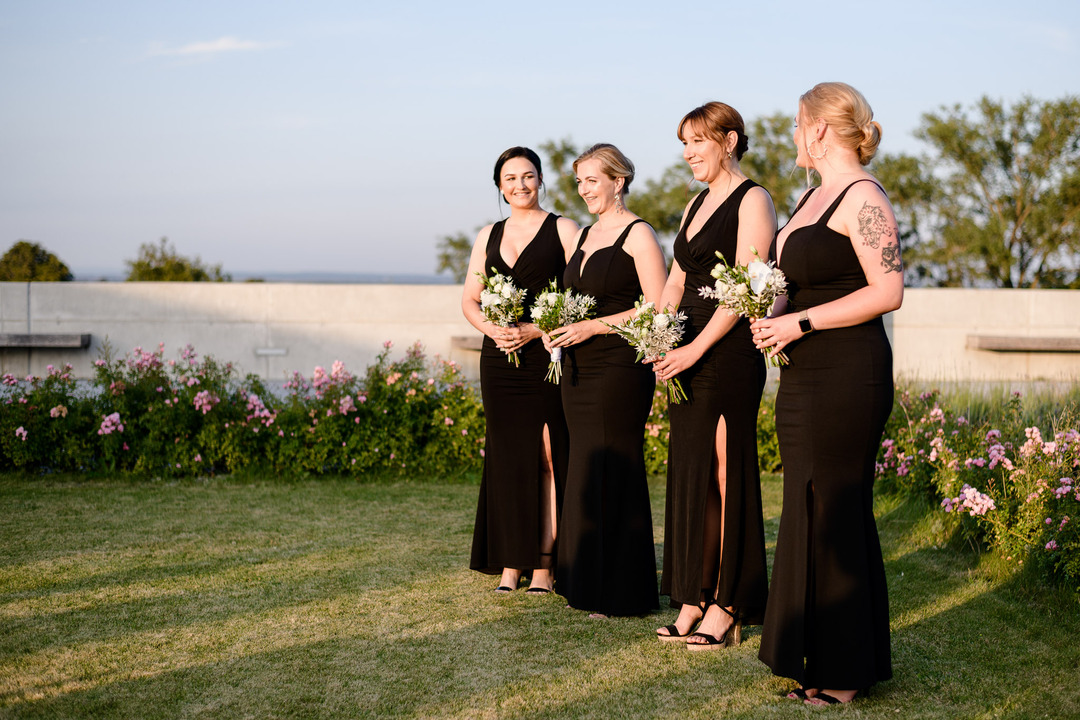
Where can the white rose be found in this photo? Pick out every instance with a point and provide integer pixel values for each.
(661, 321)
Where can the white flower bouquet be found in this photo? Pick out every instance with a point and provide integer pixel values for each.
(501, 303)
(555, 309)
(652, 334)
(750, 291)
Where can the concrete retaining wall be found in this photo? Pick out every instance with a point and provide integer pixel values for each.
(273, 329)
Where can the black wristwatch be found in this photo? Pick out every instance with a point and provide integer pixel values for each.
(804, 322)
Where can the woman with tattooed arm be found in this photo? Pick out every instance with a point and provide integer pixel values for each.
(827, 617)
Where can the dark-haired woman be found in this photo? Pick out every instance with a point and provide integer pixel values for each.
(607, 561)
(526, 443)
(827, 620)
(714, 537)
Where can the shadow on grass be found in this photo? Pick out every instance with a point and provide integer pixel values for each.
(383, 620)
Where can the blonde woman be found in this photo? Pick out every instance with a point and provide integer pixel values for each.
(526, 439)
(606, 561)
(827, 619)
(714, 537)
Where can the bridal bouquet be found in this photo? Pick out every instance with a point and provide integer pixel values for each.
(501, 304)
(555, 309)
(750, 291)
(652, 334)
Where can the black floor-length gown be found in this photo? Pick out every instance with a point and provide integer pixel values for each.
(726, 382)
(518, 404)
(606, 559)
(827, 619)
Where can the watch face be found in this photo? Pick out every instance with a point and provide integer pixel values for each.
(804, 325)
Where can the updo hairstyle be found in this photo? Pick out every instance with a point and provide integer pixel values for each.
(715, 120)
(849, 115)
(512, 153)
(612, 163)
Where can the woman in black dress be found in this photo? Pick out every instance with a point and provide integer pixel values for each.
(526, 443)
(606, 558)
(714, 538)
(827, 619)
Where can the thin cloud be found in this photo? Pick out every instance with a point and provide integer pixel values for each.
(212, 48)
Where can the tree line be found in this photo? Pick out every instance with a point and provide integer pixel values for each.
(994, 202)
(27, 261)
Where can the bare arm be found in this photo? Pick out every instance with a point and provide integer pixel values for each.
(506, 339)
(867, 218)
(641, 245)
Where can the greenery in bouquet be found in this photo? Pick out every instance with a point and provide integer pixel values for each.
(748, 291)
(653, 333)
(502, 304)
(553, 309)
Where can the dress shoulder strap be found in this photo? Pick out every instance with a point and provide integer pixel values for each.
(805, 197)
(584, 234)
(626, 231)
(495, 235)
(839, 198)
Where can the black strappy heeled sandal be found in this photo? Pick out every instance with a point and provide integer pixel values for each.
(733, 636)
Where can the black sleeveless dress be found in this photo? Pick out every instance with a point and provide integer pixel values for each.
(607, 561)
(827, 620)
(727, 382)
(518, 403)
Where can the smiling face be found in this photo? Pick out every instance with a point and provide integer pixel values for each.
(704, 155)
(595, 188)
(520, 183)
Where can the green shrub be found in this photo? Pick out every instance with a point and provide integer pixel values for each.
(192, 416)
(1002, 487)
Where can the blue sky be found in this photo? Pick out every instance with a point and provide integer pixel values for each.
(348, 137)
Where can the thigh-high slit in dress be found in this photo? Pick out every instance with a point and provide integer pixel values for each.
(518, 405)
(725, 383)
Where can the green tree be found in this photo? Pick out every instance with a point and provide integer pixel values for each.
(162, 263)
(454, 251)
(560, 186)
(661, 202)
(1006, 210)
(912, 190)
(770, 161)
(27, 261)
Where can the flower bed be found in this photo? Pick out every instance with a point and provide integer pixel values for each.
(1000, 483)
(193, 416)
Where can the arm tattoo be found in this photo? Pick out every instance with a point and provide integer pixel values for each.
(890, 258)
(873, 225)
(874, 228)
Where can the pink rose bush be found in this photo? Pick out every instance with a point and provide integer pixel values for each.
(1003, 484)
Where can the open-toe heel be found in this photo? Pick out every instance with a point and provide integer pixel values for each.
(673, 634)
(734, 634)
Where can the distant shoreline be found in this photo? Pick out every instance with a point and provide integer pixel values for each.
(297, 277)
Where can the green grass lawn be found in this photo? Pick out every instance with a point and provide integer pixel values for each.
(330, 598)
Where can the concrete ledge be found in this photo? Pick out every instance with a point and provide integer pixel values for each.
(467, 342)
(44, 340)
(1015, 343)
